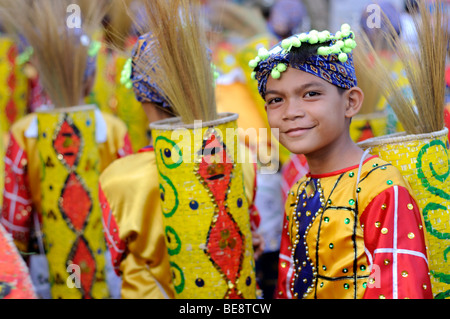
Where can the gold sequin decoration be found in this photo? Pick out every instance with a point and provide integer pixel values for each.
(384, 231)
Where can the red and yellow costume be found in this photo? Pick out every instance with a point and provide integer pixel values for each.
(357, 235)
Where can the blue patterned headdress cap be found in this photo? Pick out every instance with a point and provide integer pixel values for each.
(333, 61)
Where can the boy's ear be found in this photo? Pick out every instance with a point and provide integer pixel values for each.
(355, 99)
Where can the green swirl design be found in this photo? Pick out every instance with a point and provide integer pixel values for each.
(175, 206)
(444, 278)
(174, 147)
(178, 287)
(172, 234)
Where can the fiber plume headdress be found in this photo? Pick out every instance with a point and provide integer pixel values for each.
(420, 109)
(64, 54)
(172, 61)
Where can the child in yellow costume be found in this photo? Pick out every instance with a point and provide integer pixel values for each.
(130, 195)
(355, 228)
(54, 159)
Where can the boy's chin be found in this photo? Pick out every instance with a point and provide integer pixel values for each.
(295, 150)
(293, 147)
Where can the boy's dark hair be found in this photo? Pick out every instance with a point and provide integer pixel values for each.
(301, 54)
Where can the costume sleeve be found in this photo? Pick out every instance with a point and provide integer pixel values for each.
(141, 283)
(133, 227)
(127, 148)
(115, 244)
(285, 264)
(394, 240)
(17, 202)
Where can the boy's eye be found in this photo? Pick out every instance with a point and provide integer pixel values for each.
(274, 100)
(312, 94)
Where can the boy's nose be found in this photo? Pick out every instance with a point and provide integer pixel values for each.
(293, 110)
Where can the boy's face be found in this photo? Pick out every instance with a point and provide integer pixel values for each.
(309, 112)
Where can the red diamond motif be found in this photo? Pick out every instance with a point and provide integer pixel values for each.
(82, 256)
(68, 143)
(75, 202)
(225, 241)
(11, 111)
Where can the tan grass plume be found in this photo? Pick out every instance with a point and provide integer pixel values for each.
(59, 53)
(423, 112)
(180, 66)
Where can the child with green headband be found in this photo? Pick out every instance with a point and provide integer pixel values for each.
(355, 228)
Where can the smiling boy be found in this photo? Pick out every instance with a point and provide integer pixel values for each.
(355, 228)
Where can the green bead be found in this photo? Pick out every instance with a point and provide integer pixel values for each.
(347, 50)
(281, 67)
(329, 202)
(351, 174)
(313, 33)
(358, 190)
(303, 37)
(351, 202)
(326, 219)
(364, 284)
(296, 42)
(335, 49)
(253, 64)
(324, 267)
(345, 27)
(275, 74)
(286, 44)
(323, 51)
(347, 221)
(363, 268)
(323, 37)
(343, 57)
(263, 54)
(331, 246)
(389, 182)
(313, 39)
(349, 43)
(345, 270)
(346, 286)
(346, 33)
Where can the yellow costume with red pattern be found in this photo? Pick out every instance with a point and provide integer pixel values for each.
(130, 199)
(52, 165)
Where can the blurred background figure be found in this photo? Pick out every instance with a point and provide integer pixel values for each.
(286, 17)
